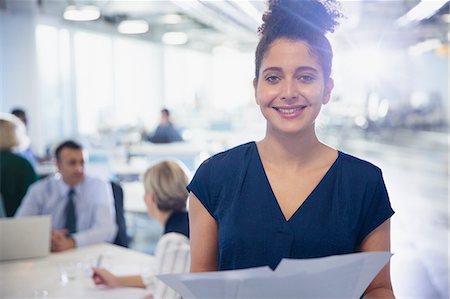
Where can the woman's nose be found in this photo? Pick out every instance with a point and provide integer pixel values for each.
(289, 91)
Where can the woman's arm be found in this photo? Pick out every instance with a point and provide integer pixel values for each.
(203, 237)
(379, 240)
(104, 277)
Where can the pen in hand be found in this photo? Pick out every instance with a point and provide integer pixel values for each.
(99, 262)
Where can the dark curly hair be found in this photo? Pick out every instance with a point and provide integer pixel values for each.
(306, 20)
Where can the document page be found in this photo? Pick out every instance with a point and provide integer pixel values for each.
(341, 276)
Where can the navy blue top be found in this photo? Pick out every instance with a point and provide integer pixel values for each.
(349, 202)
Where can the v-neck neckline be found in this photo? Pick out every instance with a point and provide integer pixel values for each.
(307, 199)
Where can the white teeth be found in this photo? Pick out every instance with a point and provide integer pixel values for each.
(289, 111)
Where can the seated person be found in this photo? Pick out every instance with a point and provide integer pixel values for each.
(81, 207)
(166, 131)
(16, 172)
(165, 198)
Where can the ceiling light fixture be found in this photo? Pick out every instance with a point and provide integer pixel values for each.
(81, 13)
(424, 10)
(133, 27)
(171, 19)
(175, 38)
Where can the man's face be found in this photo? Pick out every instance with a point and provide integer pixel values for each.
(71, 165)
(164, 118)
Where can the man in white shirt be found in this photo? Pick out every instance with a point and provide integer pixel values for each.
(81, 207)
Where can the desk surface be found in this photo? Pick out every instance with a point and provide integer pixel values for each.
(33, 278)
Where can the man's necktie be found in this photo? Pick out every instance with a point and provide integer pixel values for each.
(71, 218)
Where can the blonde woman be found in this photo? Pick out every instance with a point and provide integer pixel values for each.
(16, 173)
(165, 198)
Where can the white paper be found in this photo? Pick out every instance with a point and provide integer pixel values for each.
(341, 276)
(223, 284)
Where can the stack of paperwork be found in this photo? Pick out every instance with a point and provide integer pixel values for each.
(340, 276)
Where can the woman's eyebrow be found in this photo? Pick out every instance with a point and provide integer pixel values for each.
(306, 68)
(299, 69)
(273, 69)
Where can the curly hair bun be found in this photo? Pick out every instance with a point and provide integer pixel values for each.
(319, 16)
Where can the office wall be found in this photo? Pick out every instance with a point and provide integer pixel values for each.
(78, 80)
(18, 71)
(73, 81)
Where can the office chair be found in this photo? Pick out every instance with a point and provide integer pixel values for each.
(2, 207)
(121, 237)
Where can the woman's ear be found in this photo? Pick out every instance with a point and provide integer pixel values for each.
(149, 198)
(329, 85)
(153, 198)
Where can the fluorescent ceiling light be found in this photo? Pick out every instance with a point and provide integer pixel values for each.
(424, 10)
(175, 38)
(133, 27)
(81, 13)
(171, 19)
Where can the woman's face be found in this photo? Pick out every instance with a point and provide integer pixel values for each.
(291, 89)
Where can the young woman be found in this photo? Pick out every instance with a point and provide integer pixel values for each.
(165, 197)
(289, 195)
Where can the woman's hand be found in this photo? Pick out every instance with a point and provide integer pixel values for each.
(102, 276)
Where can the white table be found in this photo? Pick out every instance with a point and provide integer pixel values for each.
(41, 278)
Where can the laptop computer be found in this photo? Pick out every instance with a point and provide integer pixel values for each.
(25, 237)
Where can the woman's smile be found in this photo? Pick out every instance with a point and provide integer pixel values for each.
(290, 112)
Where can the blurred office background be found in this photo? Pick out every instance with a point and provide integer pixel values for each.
(100, 71)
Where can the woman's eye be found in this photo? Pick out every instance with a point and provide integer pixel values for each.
(272, 79)
(306, 78)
